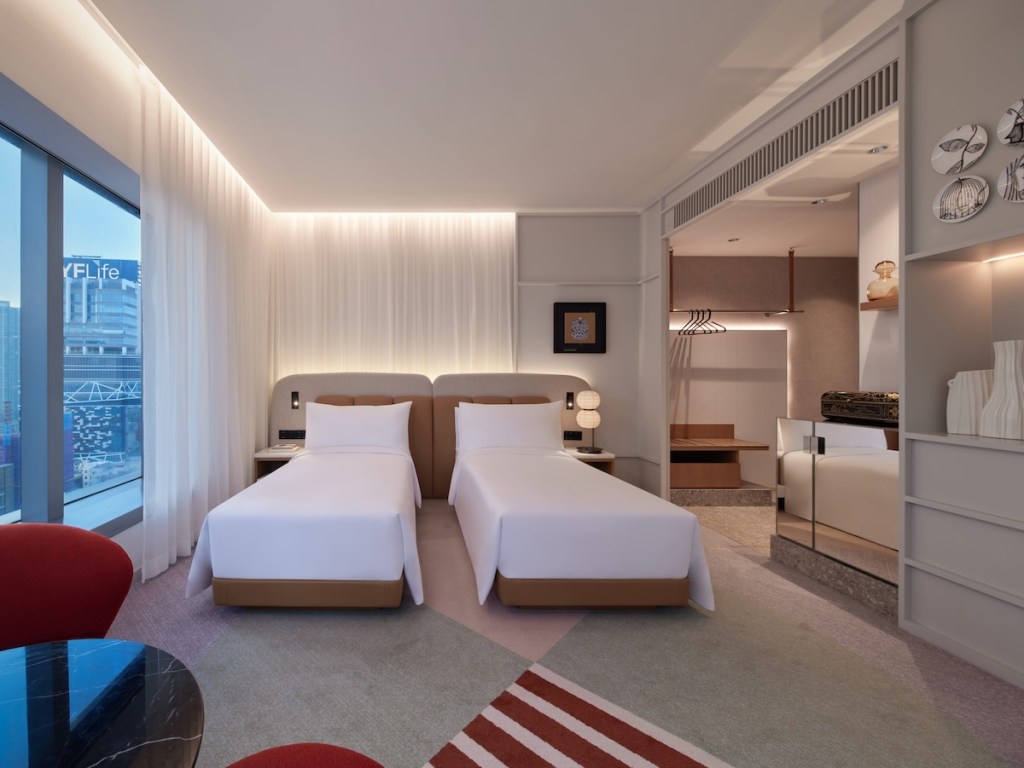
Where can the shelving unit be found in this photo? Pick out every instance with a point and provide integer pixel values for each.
(961, 582)
(962, 525)
(892, 302)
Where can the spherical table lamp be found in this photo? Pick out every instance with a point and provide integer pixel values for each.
(587, 401)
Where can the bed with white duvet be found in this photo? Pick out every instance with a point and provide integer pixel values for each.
(548, 530)
(335, 526)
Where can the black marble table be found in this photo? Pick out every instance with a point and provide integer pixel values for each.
(103, 703)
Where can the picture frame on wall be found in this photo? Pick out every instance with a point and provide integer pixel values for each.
(580, 327)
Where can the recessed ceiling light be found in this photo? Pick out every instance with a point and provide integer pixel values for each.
(879, 149)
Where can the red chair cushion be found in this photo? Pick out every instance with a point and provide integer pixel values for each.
(59, 583)
(306, 755)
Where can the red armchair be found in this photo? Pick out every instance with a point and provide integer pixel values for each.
(59, 583)
(306, 755)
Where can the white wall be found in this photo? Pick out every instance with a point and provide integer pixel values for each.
(585, 258)
(739, 378)
(879, 240)
(652, 378)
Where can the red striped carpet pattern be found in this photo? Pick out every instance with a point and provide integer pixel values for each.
(544, 720)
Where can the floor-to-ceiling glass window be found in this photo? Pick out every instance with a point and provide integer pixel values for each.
(102, 341)
(70, 333)
(10, 328)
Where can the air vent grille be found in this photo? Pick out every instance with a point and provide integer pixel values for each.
(864, 100)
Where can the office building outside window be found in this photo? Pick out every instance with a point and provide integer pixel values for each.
(102, 341)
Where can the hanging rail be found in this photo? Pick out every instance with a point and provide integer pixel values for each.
(696, 320)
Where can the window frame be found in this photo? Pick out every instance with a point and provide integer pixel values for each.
(50, 147)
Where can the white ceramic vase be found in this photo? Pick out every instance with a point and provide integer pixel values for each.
(968, 393)
(1003, 414)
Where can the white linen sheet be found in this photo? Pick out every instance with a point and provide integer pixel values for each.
(328, 514)
(542, 514)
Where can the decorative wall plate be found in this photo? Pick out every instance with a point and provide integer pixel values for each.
(959, 149)
(963, 197)
(1010, 129)
(1011, 182)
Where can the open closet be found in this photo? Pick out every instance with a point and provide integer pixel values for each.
(767, 289)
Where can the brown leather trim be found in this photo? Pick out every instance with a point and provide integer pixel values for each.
(296, 593)
(592, 593)
(338, 400)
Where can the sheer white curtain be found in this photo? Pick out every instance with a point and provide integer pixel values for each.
(205, 295)
(426, 293)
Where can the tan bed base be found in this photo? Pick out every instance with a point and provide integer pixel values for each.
(294, 593)
(592, 593)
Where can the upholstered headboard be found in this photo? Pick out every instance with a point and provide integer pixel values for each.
(452, 389)
(287, 423)
(432, 418)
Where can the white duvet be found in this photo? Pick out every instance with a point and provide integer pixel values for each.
(328, 514)
(542, 514)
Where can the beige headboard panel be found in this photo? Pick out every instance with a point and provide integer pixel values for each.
(451, 389)
(360, 389)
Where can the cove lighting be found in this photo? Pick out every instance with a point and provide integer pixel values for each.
(1004, 258)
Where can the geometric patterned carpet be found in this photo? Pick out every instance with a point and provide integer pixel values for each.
(784, 672)
(544, 720)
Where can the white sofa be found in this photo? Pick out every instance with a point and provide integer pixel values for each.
(856, 480)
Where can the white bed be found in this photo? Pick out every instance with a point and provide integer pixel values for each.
(534, 516)
(335, 526)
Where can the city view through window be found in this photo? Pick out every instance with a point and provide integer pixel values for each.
(102, 392)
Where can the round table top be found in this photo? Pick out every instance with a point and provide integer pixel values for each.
(107, 702)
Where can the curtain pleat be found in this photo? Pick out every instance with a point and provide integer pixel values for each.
(205, 290)
(426, 293)
(235, 297)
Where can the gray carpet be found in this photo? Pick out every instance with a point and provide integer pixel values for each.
(784, 673)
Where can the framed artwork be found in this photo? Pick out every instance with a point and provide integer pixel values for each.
(580, 327)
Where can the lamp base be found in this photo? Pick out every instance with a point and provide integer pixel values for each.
(589, 449)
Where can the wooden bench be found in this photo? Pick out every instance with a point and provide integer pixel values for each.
(706, 455)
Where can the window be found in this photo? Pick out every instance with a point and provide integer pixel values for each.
(102, 341)
(10, 328)
(70, 334)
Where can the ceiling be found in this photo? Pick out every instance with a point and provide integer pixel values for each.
(462, 105)
(810, 206)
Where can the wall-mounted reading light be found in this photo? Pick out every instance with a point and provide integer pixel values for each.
(295, 401)
(570, 401)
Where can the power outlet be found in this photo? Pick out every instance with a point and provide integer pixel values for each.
(291, 434)
(572, 435)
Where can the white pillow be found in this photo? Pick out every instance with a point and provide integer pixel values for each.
(527, 425)
(358, 426)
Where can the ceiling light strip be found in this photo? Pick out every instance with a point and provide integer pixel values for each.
(844, 113)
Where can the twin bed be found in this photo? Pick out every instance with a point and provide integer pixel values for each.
(336, 525)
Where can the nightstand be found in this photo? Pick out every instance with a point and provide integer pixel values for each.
(604, 461)
(269, 459)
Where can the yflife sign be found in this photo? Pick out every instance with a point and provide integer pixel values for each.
(79, 268)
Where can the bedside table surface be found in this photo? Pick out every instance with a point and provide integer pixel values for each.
(602, 456)
(276, 453)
